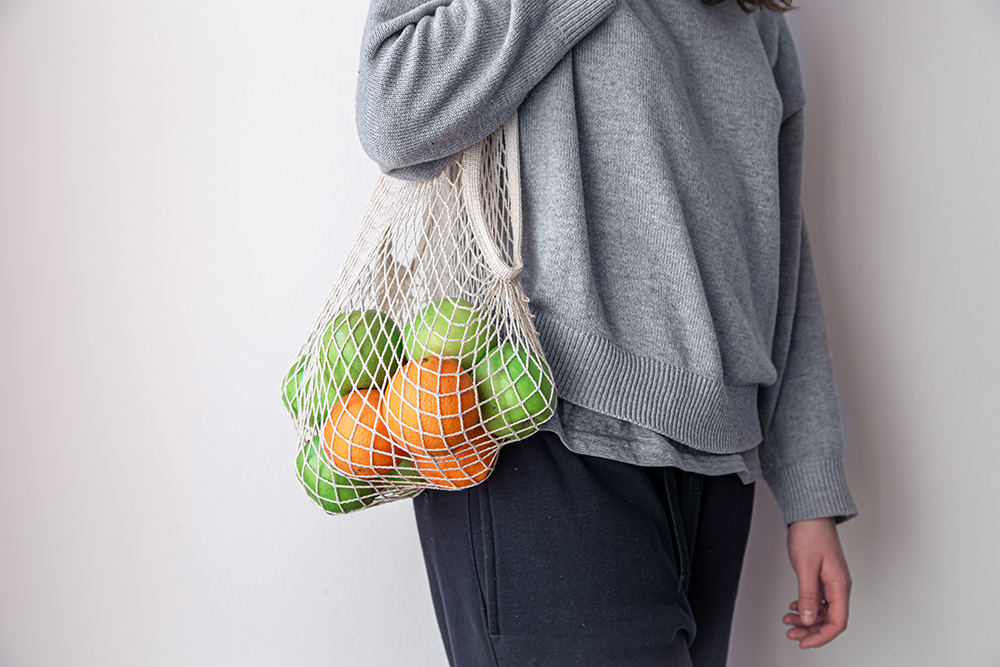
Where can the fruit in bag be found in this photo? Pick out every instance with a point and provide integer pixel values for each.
(430, 408)
(401, 408)
(449, 328)
(405, 472)
(515, 390)
(363, 349)
(292, 401)
(430, 405)
(355, 436)
(457, 468)
(328, 488)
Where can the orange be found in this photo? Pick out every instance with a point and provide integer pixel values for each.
(355, 436)
(459, 469)
(430, 407)
(430, 404)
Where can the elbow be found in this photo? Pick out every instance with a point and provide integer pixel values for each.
(393, 134)
(382, 134)
(388, 134)
(389, 114)
(395, 156)
(407, 117)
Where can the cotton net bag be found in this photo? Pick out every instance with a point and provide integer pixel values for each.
(424, 360)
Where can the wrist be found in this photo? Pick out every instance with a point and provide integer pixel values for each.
(832, 521)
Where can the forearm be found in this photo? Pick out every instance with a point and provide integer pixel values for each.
(435, 77)
(802, 453)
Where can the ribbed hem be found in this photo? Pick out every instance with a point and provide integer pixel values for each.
(812, 490)
(697, 411)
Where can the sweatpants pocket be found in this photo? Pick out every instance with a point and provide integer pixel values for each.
(484, 551)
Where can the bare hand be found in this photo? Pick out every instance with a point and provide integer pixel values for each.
(820, 613)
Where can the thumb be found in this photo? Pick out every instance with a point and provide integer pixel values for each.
(809, 590)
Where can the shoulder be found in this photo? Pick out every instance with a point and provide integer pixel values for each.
(769, 26)
(776, 39)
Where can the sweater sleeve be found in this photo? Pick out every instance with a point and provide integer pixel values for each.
(802, 452)
(435, 77)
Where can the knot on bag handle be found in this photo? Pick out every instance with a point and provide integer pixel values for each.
(472, 185)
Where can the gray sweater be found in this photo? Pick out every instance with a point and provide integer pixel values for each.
(665, 252)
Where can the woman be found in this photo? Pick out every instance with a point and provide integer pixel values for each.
(669, 270)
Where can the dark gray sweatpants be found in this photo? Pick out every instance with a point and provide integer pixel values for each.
(566, 560)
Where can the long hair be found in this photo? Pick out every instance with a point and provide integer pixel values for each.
(749, 5)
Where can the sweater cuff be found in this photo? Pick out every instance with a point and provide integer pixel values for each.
(578, 17)
(812, 490)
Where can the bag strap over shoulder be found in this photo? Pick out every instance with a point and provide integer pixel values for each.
(499, 157)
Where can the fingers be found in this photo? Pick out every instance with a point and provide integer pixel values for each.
(800, 631)
(818, 635)
(810, 593)
(795, 620)
(808, 636)
(837, 591)
(830, 617)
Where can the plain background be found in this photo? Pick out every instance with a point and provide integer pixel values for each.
(178, 180)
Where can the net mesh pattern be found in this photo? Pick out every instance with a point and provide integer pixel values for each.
(424, 360)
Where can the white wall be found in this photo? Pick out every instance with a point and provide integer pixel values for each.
(177, 182)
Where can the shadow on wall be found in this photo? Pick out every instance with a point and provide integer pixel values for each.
(841, 182)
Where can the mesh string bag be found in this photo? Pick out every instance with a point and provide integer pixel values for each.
(424, 360)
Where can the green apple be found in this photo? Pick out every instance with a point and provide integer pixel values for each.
(515, 391)
(291, 386)
(328, 488)
(363, 348)
(450, 328)
(405, 470)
